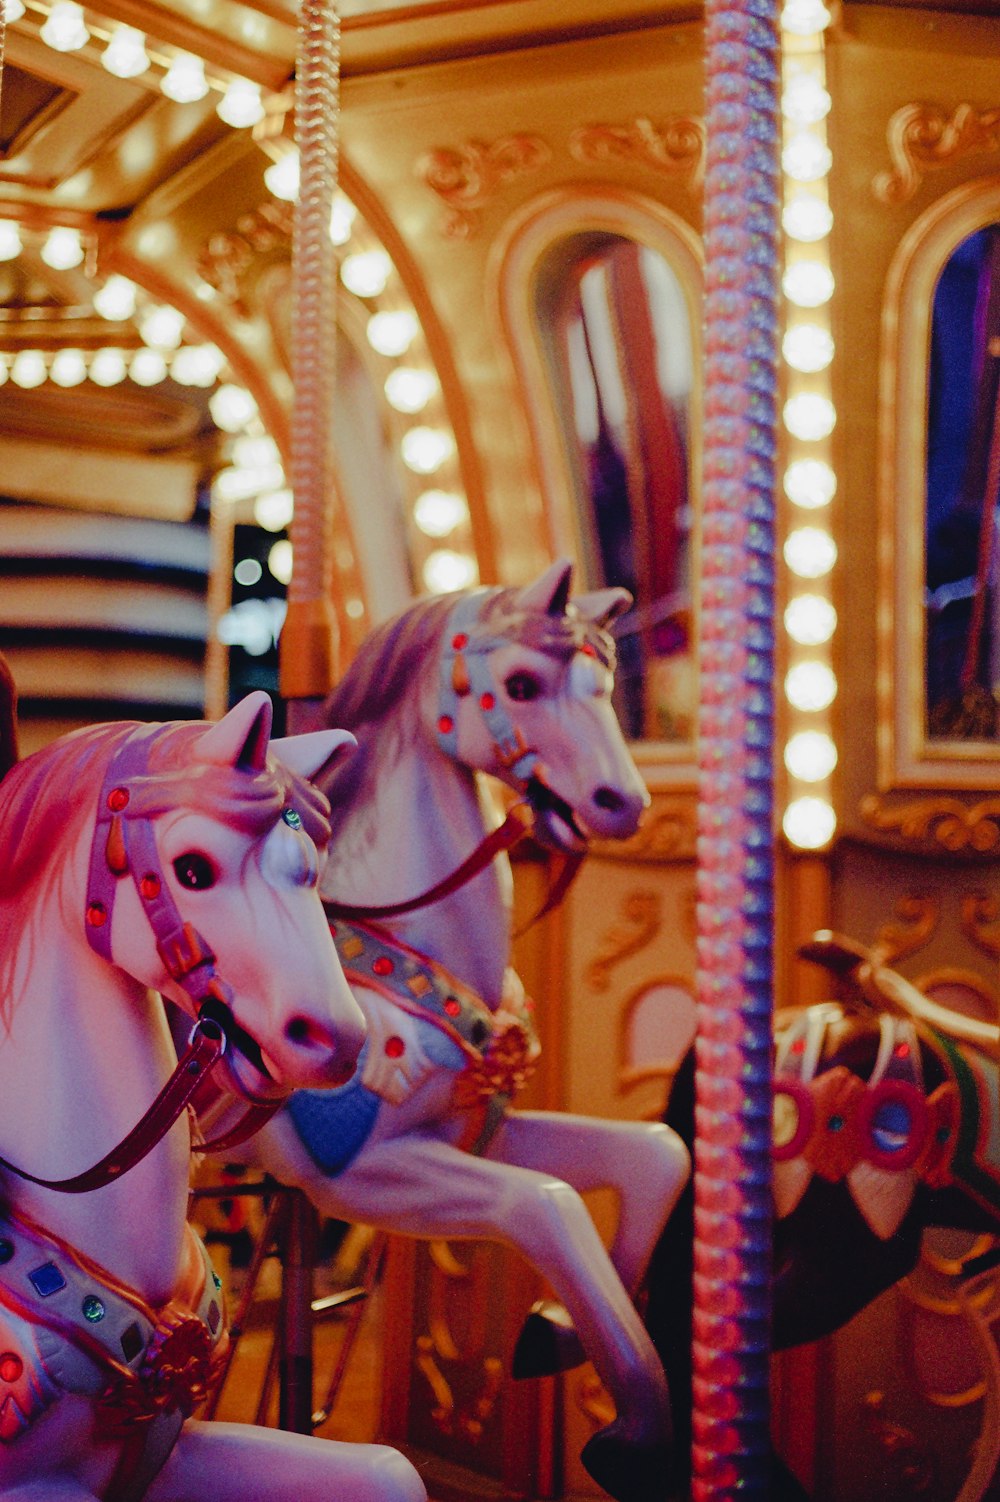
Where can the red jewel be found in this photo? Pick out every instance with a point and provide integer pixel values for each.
(902, 1050)
(452, 1006)
(394, 1047)
(459, 641)
(97, 914)
(588, 650)
(487, 702)
(117, 799)
(799, 1045)
(11, 1367)
(446, 724)
(150, 886)
(383, 965)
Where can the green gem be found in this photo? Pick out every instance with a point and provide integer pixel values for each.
(93, 1309)
(292, 819)
(216, 1280)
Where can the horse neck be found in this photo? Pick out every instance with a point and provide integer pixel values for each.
(409, 826)
(86, 1053)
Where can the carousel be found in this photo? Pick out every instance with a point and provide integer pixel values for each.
(499, 749)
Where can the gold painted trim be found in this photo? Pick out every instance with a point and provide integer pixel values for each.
(554, 216)
(906, 758)
(639, 921)
(946, 822)
(469, 176)
(924, 138)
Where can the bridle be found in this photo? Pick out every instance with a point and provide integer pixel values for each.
(465, 670)
(124, 844)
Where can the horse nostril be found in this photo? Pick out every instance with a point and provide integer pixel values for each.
(611, 801)
(307, 1034)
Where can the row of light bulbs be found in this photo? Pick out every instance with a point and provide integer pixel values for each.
(182, 78)
(809, 416)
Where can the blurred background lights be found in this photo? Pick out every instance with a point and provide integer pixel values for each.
(438, 512)
(810, 416)
(806, 218)
(125, 55)
(68, 368)
(13, 11)
(809, 823)
(810, 483)
(65, 29)
(241, 105)
(273, 511)
(810, 620)
(810, 552)
(424, 450)
(808, 348)
(184, 81)
(108, 367)
(10, 240)
(806, 157)
(810, 686)
(804, 17)
(248, 572)
(161, 326)
(392, 333)
(808, 284)
(147, 367)
(197, 365)
(366, 273)
(28, 369)
(342, 218)
(232, 407)
(445, 570)
(281, 178)
(804, 100)
(116, 299)
(236, 484)
(279, 560)
(811, 755)
(255, 451)
(409, 389)
(63, 248)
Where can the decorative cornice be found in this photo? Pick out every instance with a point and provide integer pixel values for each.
(641, 916)
(945, 821)
(228, 256)
(467, 177)
(923, 138)
(675, 146)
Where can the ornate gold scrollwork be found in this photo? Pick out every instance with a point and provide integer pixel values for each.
(676, 145)
(667, 834)
(440, 1345)
(230, 256)
(912, 1464)
(951, 823)
(466, 177)
(923, 137)
(979, 914)
(642, 913)
(918, 918)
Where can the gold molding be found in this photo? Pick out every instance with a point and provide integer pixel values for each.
(924, 138)
(938, 820)
(668, 833)
(641, 918)
(919, 917)
(979, 914)
(467, 177)
(675, 146)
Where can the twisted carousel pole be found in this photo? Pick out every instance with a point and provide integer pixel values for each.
(309, 641)
(732, 1182)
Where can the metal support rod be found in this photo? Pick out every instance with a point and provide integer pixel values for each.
(299, 1240)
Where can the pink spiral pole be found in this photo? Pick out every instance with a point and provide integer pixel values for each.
(732, 1184)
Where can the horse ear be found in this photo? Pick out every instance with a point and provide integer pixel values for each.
(602, 606)
(241, 737)
(549, 594)
(308, 754)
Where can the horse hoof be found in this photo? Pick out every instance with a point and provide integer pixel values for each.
(548, 1343)
(627, 1470)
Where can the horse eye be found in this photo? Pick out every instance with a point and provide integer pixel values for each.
(194, 871)
(522, 687)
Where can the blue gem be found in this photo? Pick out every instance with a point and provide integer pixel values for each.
(216, 1280)
(6, 1250)
(292, 819)
(47, 1279)
(93, 1309)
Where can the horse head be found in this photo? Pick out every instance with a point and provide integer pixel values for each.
(524, 694)
(203, 885)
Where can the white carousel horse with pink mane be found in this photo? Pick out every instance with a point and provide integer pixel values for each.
(516, 684)
(182, 859)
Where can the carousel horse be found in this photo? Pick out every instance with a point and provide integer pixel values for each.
(514, 683)
(181, 859)
(885, 1123)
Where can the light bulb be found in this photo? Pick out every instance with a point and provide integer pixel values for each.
(809, 416)
(10, 240)
(251, 451)
(197, 365)
(232, 407)
(125, 55)
(810, 552)
(804, 17)
(425, 449)
(63, 248)
(28, 369)
(108, 367)
(116, 299)
(810, 620)
(161, 326)
(281, 178)
(810, 686)
(806, 157)
(438, 512)
(409, 389)
(147, 367)
(274, 510)
(810, 483)
(366, 273)
(241, 104)
(13, 11)
(807, 219)
(342, 219)
(808, 284)
(804, 100)
(392, 333)
(280, 560)
(184, 81)
(810, 755)
(809, 823)
(808, 348)
(65, 29)
(445, 570)
(239, 484)
(69, 368)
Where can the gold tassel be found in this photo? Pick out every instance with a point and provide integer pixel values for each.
(114, 851)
